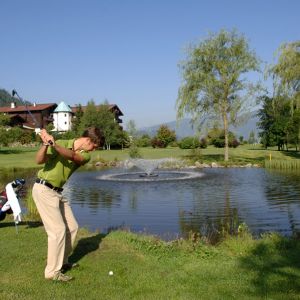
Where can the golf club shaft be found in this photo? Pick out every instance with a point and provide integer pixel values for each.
(14, 92)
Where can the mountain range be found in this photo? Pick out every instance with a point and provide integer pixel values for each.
(184, 128)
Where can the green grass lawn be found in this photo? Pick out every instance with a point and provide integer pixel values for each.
(17, 158)
(25, 157)
(148, 268)
(241, 155)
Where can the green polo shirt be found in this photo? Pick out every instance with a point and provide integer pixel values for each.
(58, 169)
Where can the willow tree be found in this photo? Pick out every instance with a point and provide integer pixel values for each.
(286, 75)
(212, 85)
(287, 70)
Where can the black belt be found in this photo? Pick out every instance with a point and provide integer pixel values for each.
(49, 185)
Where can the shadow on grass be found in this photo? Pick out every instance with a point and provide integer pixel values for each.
(10, 151)
(259, 159)
(15, 151)
(208, 157)
(29, 224)
(33, 224)
(232, 159)
(86, 246)
(276, 267)
(292, 154)
(7, 224)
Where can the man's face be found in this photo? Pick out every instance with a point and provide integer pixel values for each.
(88, 145)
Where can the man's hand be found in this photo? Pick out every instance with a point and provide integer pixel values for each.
(46, 137)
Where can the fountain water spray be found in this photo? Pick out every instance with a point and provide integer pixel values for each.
(148, 165)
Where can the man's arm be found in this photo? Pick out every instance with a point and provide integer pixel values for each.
(41, 156)
(69, 154)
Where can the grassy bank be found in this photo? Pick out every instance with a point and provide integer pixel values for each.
(11, 158)
(146, 268)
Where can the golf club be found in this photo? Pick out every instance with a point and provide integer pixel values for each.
(35, 122)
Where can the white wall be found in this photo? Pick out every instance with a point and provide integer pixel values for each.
(62, 121)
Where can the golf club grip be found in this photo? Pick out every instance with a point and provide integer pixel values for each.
(50, 143)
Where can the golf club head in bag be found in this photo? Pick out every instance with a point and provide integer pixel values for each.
(9, 202)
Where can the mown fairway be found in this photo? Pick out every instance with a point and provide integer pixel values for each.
(147, 268)
(24, 157)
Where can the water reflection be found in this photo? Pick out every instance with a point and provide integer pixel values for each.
(94, 199)
(225, 220)
(285, 196)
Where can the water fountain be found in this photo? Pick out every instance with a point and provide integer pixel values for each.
(147, 168)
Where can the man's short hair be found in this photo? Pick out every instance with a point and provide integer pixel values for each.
(95, 134)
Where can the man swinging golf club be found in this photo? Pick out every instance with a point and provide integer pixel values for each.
(61, 159)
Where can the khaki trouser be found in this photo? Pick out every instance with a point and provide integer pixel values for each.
(59, 223)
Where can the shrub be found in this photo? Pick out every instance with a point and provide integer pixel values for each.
(4, 137)
(144, 141)
(174, 144)
(234, 143)
(15, 134)
(196, 155)
(165, 135)
(189, 142)
(203, 143)
(26, 138)
(134, 151)
(219, 141)
(157, 143)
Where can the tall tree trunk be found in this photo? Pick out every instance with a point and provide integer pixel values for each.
(225, 122)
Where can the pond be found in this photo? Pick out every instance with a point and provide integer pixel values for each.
(212, 201)
(219, 198)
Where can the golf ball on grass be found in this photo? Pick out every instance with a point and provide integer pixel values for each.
(110, 273)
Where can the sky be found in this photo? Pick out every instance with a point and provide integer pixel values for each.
(125, 51)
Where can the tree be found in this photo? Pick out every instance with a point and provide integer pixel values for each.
(251, 139)
(100, 116)
(4, 119)
(144, 141)
(212, 84)
(164, 136)
(287, 69)
(275, 122)
(90, 116)
(131, 129)
(110, 128)
(77, 118)
(286, 75)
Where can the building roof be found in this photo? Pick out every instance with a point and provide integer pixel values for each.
(112, 107)
(63, 107)
(21, 108)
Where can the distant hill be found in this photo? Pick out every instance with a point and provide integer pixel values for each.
(185, 128)
(6, 99)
